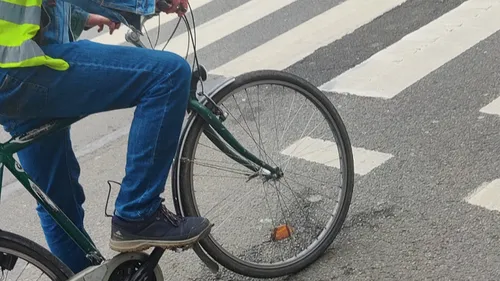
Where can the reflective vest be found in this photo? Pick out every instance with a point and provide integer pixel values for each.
(19, 24)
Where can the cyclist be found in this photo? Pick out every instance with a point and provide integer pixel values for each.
(51, 75)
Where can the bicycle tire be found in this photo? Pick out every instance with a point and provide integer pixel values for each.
(37, 255)
(182, 179)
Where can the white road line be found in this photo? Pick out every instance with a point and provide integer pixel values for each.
(97, 144)
(492, 108)
(303, 40)
(487, 196)
(14, 186)
(226, 24)
(392, 70)
(118, 36)
(326, 153)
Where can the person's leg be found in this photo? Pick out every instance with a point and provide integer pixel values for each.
(103, 78)
(53, 166)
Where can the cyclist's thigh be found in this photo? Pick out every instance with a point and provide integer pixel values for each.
(100, 78)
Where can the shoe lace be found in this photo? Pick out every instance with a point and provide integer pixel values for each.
(173, 218)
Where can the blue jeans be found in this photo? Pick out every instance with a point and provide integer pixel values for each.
(101, 78)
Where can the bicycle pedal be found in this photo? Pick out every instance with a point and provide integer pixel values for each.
(180, 249)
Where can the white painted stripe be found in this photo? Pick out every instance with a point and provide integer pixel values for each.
(392, 70)
(303, 40)
(487, 196)
(14, 185)
(225, 24)
(97, 144)
(326, 153)
(118, 36)
(492, 108)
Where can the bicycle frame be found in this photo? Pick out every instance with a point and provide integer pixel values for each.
(212, 117)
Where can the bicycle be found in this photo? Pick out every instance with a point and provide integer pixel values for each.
(206, 114)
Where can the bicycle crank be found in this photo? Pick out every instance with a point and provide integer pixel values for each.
(120, 268)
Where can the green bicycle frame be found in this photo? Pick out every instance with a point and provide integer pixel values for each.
(17, 143)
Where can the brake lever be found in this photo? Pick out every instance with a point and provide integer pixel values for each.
(132, 36)
(164, 5)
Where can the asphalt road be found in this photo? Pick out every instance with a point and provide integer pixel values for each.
(413, 83)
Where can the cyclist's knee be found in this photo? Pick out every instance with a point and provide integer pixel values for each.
(169, 78)
(182, 70)
(177, 72)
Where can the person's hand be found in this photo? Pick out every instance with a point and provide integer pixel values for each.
(177, 6)
(97, 20)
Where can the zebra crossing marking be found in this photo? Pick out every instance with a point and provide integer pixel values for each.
(460, 25)
(303, 40)
(390, 71)
(492, 108)
(225, 24)
(326, 153)
(486, 195)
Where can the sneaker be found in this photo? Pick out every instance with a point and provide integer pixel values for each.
(162, 229)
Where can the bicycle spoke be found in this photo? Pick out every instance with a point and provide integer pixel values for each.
(300, 138)
(22, 271)
(304, 200)
(320, 137)
(222, 168)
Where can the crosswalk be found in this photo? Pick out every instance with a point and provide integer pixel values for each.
(303, 40)
(303, 35)
(420, 52)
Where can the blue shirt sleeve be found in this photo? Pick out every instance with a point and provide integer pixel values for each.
(79, 19)
(128, 12)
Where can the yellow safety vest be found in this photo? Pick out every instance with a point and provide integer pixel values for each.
(19, 24)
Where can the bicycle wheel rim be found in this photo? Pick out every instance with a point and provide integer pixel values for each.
(34, 254)
(328, 234)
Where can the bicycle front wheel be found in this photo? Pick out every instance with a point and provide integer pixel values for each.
(280, 111)
(23, 259)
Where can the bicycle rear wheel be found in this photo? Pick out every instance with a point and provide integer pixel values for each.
(317, 144)
(17, 253)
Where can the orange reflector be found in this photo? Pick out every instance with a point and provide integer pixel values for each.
(281, 232)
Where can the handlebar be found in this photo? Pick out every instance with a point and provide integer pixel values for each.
(133, 36)
(167, 4)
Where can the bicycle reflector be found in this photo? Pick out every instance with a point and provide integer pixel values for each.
(281, 232)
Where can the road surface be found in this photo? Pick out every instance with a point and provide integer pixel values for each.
(417, 83)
